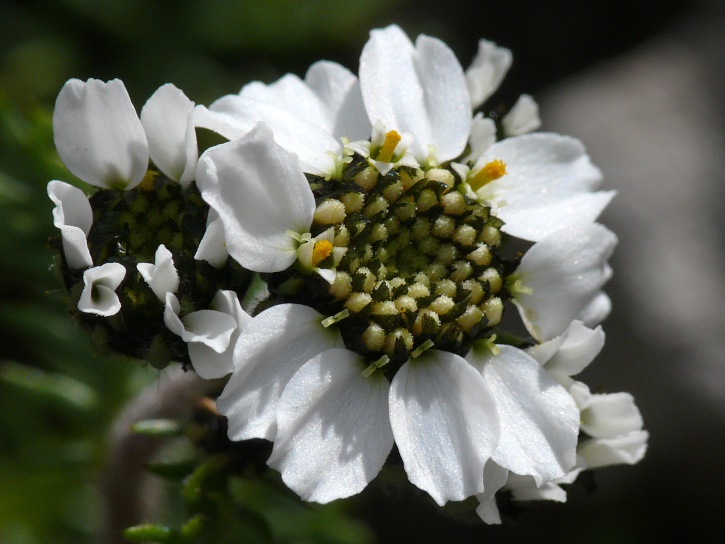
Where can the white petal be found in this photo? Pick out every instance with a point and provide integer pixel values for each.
(597, 310)
(486, 72)
(494, 478)
(166, 120)
(565, 270)
(208, 363)
(99, 289)
(606, 415)
(271, 348)
(540, 168)
(539, 419)
(212, 247)
(234, 115)
(211, 328)
(420, 90)
(333, 428)
(260, 194)
(161, 276)
(339, 90)
(445, 425)
(523, 117)
(483, 136)
(98, 135)
(534, 221)
(628, 450)
(73, 216)
(525, 488)
(570, 353)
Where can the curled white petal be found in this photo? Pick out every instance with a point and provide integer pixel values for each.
(166, 119)
(445, 424)
(486, 72)
(628, 449)
(73, 216)
(272, 347)
(523, 117)
(418, 89)
(209, 363)
(494, 478)
(539, 418)
(99, 289)
(161, 276)
(260, 195)
(597, 310)
(571, 352)
(333, 428)
(564, 271)
(606, 415)
(209, 327)
(212, 247)
(98, 135)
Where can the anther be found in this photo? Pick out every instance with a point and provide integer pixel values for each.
(321, 251)
(490, 171)
(392, 138)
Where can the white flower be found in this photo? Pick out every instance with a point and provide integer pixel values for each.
(264, 203)
(208, 362)
(560, 276)
(547, 183)
(73, 216)
(421, 92)
(523, 117)
(487, 71)
(308, 117)
(99, 289)
(212, 247)
(615, 425)
(161, 276)
(168, 118)
(101, 139)
(208, 333)
(295, 385)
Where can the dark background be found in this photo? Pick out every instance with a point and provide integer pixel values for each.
(641, 82)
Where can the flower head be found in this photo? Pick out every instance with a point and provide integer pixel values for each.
(398, 338)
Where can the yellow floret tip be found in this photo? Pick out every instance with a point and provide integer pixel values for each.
(321, 251)
(491, 171)
(387, 150)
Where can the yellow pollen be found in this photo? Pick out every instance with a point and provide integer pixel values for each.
(490, 172)
(147, 182)
(321, 251)
(386, 151)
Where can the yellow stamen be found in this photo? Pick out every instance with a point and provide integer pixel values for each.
(321, 251)
(386, 151)
(490, 172)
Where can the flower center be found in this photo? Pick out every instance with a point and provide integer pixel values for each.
(420, 266)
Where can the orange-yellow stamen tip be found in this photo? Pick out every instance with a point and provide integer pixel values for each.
(321, 251)
(491, 171)
(388, 148)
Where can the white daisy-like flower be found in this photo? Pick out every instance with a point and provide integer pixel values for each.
(398, 345)
(101, 139)
(74, 217)
(99, 289)
(161, 276)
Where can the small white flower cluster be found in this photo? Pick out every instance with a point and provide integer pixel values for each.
(375, 209)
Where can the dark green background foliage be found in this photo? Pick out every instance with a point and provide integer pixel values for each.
(58, 397)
